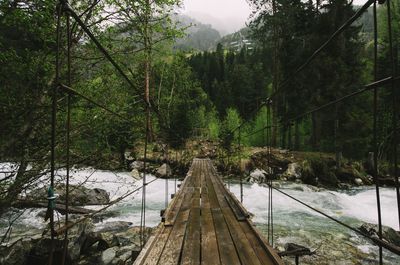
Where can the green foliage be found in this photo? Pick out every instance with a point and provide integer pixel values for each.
(229, 132)
(316, 171)
(231, 80)
(259, 124)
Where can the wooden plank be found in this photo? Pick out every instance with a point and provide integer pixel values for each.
(244, 249)
(272, 256)
(227, 251)
(204, 227)
(192, 246)
(263, 242)
(209, 246)
(173, 247)
(158, 247)
(226, 247)
(185, 194)
(149, 245)
(239, 214)
(261, 253)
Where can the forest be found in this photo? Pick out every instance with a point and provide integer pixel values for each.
(192, 92)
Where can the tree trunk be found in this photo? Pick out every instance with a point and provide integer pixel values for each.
(297, 136)
(316, 131)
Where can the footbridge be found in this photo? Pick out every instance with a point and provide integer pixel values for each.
(206, 224)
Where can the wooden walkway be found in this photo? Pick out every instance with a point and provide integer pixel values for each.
(206, 224)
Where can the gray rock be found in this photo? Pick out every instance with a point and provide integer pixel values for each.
(16, 253)
(388, 233)
(108, 255)
(78, 195)
(128, 156)
(164, 171)
(139, 165)
(258, 176)
(135, 174)
(293, 172)
(116, 226)
(358, 182)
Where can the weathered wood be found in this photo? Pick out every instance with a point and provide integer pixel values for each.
(205, 224)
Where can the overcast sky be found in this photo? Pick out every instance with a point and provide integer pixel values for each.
(225, 8)
(225, 15)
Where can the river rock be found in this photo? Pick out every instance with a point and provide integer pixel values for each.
(139, 165)
(258, 176)
(108, 255)
(164, 171)
(358, 182)
(116, 226)
(388, 234)
(16, 253)
(135, 174)
(129, 156)
(78, 195)
(293, 172)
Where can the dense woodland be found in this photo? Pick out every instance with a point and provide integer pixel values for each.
(192, 92)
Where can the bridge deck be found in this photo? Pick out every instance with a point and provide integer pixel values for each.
(205, 224)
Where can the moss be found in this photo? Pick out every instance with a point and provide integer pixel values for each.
(318, 171)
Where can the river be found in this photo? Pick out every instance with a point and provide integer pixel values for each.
(293, 222)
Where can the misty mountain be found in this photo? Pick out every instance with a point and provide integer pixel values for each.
(200, 37)
(224, 26)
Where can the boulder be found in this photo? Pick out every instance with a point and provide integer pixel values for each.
(78, 195)
(293, 172)
(139, 165)
(16, 253)
(358, 182)
(108, 255)
(129, 156)
(258, 176)
(388, 234)
(164, 171)
(116, 226)
(135, 174)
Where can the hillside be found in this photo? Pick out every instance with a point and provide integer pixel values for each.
(200, 37)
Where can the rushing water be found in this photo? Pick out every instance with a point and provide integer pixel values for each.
(293, 222)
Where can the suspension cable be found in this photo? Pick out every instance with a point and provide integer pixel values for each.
(307, 62)
(394, 106)
(99, 46)
(53, 136)
(376, 177)
(68, 126)
(240, 165)
(368, 87)
(392, 248)
(71, 91)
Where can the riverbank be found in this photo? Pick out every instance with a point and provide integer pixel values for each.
(293, 223)
(312, 168)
